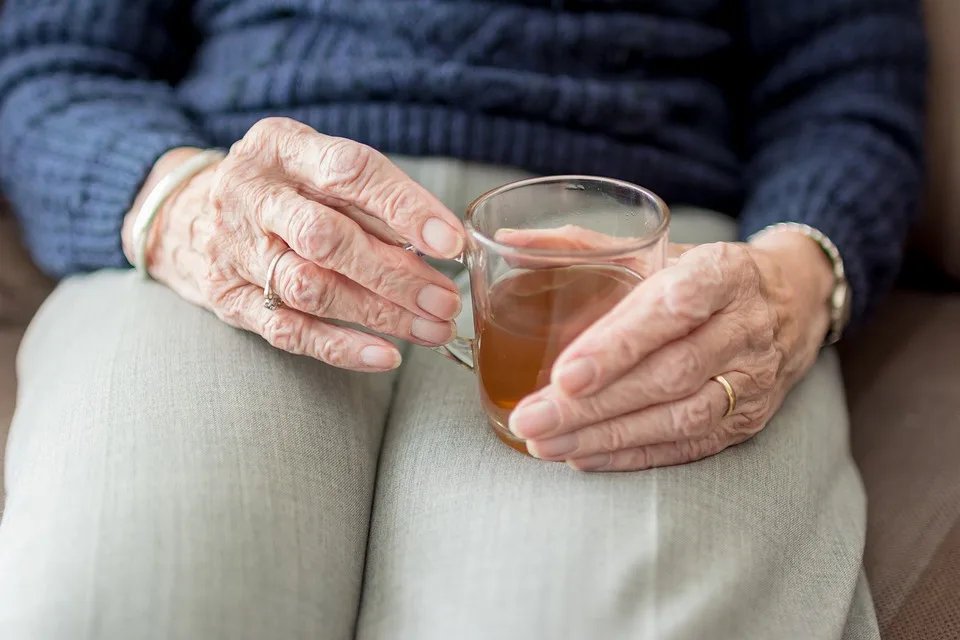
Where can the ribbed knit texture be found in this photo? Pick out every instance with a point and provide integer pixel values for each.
(802, 110)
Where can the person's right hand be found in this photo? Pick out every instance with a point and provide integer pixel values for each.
(343, 209)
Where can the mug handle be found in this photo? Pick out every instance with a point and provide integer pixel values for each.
(462, 343)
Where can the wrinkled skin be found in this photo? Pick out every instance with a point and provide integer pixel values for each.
(344, 209)
(634, 391)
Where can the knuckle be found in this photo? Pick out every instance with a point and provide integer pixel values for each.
(302, 286)
(683, 299)
(693, 417)
(333, 349)
(728, 256)
(318, 232)
(610, 436)
(685, 373)
(265, 197)
(222, 295)
(757, 413)
(382, 281)
(274, 141)
(692, 450)
(623, 348)
(223, 185)
(768, 372)
(763, 331)
(593, 408)
(237, 190)
(391, 319)
(736, 259)
(268, 125)
(640, 458)
(260, 138)
(215, 248)
(272, 128)
(283, 333)
(324, 291)
(398, 206)
(392, 286)
(345, 164)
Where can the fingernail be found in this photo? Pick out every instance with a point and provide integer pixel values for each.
(380, 357)
(590, 463)
(441, 237)
(532, 420)
(576, 376)
(559, 447)
(439, 302)
(430, 331)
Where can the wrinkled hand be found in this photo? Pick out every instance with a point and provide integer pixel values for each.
(345, 210)
(634, 390)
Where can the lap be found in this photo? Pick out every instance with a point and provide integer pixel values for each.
(170, 475)
(472, 540)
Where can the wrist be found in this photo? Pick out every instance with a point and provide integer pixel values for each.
(798, 268)
(804, 260)
(163, 166)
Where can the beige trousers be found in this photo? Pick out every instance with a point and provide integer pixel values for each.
(169, 477)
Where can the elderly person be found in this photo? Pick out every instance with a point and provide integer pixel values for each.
(189, 462)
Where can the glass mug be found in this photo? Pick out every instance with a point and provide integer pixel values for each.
(547, 257)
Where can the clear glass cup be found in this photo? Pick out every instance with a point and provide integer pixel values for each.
(547, 257)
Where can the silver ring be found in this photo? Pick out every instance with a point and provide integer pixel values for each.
(271, 300)
(412, 249)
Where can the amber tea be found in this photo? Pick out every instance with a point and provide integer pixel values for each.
(532, 316)
(547, 258)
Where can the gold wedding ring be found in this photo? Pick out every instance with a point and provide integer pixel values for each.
(731, 396)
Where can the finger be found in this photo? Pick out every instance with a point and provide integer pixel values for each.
(565, 238)
(571, 238)
(372, 226)
(665, 454)
(667, 306)
(304, 286)
(672, 372)
(675, 250)
(690, 418)
(356, 174)
(301, 334)
(334, 241)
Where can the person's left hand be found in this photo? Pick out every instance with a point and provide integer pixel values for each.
(634, 391)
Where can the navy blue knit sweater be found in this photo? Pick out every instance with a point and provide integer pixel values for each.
(803, 110)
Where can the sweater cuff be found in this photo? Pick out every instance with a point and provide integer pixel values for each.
(846, 239)
(863, 203)
(108, 184)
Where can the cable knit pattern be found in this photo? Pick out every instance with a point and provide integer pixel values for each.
(802, 110)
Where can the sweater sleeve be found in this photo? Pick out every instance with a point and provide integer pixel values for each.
(835, 128)
(86, 107)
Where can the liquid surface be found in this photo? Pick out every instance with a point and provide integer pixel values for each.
(532, 316)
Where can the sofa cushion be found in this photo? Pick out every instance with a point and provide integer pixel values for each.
(22, 286)
(903, 387)
(938, 235)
